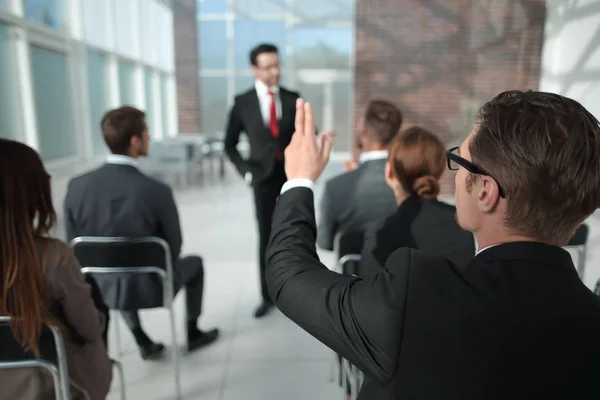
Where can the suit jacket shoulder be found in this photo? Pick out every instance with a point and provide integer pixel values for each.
(342, 180)
(245, 95)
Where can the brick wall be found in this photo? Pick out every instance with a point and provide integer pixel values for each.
(186, 65)
(438, 60)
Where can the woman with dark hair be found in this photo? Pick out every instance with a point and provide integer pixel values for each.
(416, 161)
(41, 283)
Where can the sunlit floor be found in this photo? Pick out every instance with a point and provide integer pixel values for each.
(266, 359)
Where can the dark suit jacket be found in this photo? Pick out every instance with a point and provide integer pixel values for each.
(354, 200)
(119, 200)
(429, 225)
(245, 116)
(518, 323)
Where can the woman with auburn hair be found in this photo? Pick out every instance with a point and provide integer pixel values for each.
(416, 161)
(41, 284)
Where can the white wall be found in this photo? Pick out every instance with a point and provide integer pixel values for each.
(571, 52)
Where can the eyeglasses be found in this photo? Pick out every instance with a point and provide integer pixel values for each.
(455, 162)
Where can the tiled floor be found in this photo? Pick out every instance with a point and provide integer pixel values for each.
(267, 359)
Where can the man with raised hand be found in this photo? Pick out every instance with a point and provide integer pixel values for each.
(518, 323)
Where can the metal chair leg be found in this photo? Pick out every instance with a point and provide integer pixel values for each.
(331, 377)
(117, 323)
(121, 374)
(175, 351)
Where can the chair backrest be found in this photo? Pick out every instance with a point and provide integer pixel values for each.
(348, 247)
(578, 244)
(131, 273)
(120, 252)
(580, 237)
(53, 356)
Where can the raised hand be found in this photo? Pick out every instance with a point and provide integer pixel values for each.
(306, 156)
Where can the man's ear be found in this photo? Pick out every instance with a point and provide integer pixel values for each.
(488, 195)
(390, 177)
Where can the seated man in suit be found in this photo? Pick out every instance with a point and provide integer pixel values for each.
(415, 165)
(117, 199)
(359, 197)
(518, 322)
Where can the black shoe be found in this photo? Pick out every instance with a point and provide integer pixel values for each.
(263, 309)
(152, 351)
(201, 339)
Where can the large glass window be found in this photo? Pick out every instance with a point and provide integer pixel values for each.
(319, 10)
(212, 6)
(152, 128)
(123, 21)
(126, 92)
(48, 12)
(97, 82)
(260, 7)
(52, 100)
(313, 93)
(342, 113)
(243, 83)
(250, 33)
(213, 103)
(212, 43)
(164, 97)
(8, 94)
(95, 22)
(322, 47)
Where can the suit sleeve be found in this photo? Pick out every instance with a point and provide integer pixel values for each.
(169, 228)
(360, 319)
(327, 221)
(232, 136)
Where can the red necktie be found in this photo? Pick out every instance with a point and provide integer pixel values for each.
(273, 123)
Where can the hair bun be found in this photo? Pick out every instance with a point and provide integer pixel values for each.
(427, 187)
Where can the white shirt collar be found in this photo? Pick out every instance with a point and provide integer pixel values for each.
(373, 155)
(263, 90)
(121, 159)
(485, 248)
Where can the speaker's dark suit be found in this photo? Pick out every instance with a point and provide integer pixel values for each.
(268, 173)
(428, 225)
(517, 323)
(119, 200)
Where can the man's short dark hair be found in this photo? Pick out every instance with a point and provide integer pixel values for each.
(544, 150)
(260, 49)
(382, 121)
(120, 125)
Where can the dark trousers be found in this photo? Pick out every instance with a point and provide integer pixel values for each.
(188, 272)
(265, 198)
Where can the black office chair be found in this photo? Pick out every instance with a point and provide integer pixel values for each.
(53, 356)
(348, 247)
(146, 258)
(578, 243)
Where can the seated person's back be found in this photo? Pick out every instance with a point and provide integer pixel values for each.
(41, 284)
(353, 200)
(118, 200)
(416, 162)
